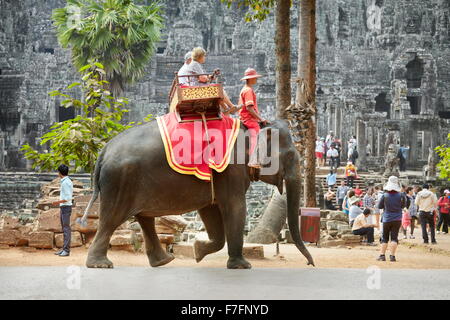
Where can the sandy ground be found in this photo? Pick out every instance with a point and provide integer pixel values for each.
(409, 256)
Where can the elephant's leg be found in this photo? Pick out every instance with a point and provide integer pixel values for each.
(157, 256)
(98, 249)
(212, 220)
(234, 214)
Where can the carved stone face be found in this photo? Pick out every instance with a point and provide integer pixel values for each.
(413, 22)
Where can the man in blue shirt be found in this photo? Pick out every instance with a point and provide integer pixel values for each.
(65, 204)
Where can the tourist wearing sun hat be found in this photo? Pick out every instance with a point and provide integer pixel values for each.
(444, 212)
(249, 114)
(392, 202)
(355, 210)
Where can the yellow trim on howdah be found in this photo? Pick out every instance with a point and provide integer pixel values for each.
(171, 160)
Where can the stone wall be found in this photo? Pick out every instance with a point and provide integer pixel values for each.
(365, 50)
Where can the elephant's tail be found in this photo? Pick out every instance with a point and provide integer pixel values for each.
(96, 187)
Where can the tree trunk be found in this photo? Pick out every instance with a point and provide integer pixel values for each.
(283, 57)
(274, 216)
(308, 55)
(302, 114)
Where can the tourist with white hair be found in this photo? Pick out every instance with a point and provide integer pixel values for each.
(392, 202)
(184, 70)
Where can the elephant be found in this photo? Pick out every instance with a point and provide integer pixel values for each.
(133, 179)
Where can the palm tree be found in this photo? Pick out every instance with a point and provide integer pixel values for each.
(119, 34)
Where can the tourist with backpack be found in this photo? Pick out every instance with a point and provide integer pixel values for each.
(392, 202)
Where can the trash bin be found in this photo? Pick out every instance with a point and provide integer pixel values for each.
(309, 221)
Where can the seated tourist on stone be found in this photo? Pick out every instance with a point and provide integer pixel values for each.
(195, 68)
(184, 70)
(355, 210)
(329, 200)
(362, 227)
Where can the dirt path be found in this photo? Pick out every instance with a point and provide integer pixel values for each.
(409, 257)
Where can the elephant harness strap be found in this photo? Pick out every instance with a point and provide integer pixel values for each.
(213, 195)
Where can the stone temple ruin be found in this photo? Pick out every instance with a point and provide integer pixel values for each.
(383, 70)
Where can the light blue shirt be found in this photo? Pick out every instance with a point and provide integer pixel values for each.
(331, 179)
(66, 192)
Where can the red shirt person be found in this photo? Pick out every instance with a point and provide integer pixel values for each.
(249, 114)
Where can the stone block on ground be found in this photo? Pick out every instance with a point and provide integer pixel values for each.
(123, 237)
(324, 213)
(79, 212)
(253, 251)
(176, 222)
(344, 229)
(46, 203)
(75, 240)
(91, 226)
(10, 222)
(332, 243)
(50, 220)
(337, 215)
(183, 250)
(164, 229)
(333, 224)
(166, 238)
(9, 237)
(41, 239)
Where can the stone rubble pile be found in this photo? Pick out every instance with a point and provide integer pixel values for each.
(42, 229)
(335, 230)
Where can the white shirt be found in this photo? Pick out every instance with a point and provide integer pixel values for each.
(184, 71)
(332, 153)
(319, 146)
(66, 192)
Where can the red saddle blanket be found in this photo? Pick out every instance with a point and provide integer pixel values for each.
(187, 148)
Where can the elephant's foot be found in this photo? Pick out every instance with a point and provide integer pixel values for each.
(238, 263)
(157, 260)
(99, 262)
(201, 249)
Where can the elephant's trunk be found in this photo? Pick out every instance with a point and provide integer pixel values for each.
(293, 204)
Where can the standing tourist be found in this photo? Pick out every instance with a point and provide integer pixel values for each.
(331, 179)
(320, 150)
(333, 155)
(65, 205)
(426, 202)
(329, 139)
(350, 173)
(403, 153)
(392, 202)
(444, 209)
(369, 200)
(338, 147)
(341, 193)
(362, 227)
(412, 212)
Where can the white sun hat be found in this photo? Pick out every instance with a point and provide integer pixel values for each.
(392, 184)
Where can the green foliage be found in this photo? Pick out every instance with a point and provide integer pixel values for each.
(120, 34)
(260, 9)
(444, 165)
(77, 142)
